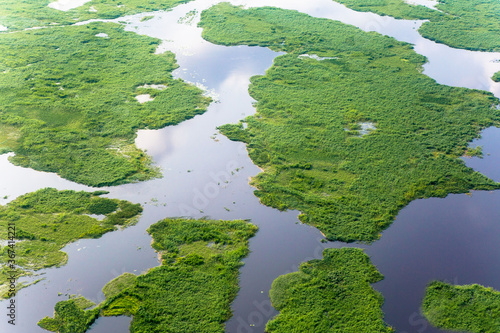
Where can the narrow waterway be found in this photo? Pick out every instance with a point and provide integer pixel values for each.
(207, 175)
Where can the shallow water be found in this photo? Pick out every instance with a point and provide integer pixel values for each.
(207, 175)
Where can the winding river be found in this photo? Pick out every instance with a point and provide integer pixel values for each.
(205, 174)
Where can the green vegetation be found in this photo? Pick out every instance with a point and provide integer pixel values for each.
(395, 8)
(47, 220)
(471, 24)
(496, 77)
(68, 101)
(350, 187)
(190, 292)
(188, 18)
(17, 15)
(147, 18)
(474, 152)
(70, 316)
(471, 308)
(115, 286)
(329, 295)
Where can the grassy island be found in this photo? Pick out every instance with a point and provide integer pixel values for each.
(496, 77)
(464, 24)
(71, 316)
(46, 220)
(351, 136)
(470, 308)
(329, 295)
(18, 15)
(68, 102)
(190, 292)
(396, 8)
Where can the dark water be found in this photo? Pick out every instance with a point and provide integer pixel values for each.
(207, 175)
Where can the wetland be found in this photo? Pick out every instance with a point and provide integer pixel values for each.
(272, 255)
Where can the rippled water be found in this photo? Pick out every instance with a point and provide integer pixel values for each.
(207, 175)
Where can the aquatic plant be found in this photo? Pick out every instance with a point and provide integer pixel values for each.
(471, 24)
(68, 105)
(47, 220)
(70, 317)
(18, 15)
(349, 187)
(329, 295)
(496, 77)
(193, 288)
(471, 308)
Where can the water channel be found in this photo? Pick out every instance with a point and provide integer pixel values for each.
(204, 174)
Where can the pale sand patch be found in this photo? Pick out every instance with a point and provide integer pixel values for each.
(427, 3)
(66, 5)
(144, 98)
(154, 86)
(316, 57)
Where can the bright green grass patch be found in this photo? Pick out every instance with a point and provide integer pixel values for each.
(17, 15)
(305, 134)
(471, 308)
(193, 288)
(70, 317)
(469, 24)
(147, 18)
(496, 77)
(70, 96)
(329, 295)
(464, 24)
(9, 136)
(115, 286)
(395, 8)
(46, 220)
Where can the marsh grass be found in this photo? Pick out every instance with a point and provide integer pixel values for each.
(68, 106)
(471, 24)
(349, 187)
(190, 292)
(470, 308)
(18, 15)
(329, 295)
(496, 77)
(47, 220)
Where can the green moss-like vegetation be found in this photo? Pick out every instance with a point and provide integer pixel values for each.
(115, 286)
(470, 24)
(17, 15)
(496, 77)
(471, 308)
(193, 288)
(395, 8)
(68, 101)
(70, 317)
(47, 220)
(348, 186)
(147, 18)
(329, 295)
